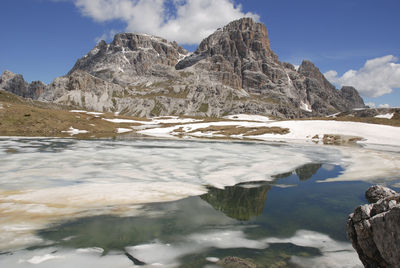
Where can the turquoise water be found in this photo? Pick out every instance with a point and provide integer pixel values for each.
(277, 219)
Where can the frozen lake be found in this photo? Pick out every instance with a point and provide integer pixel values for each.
(177, 203)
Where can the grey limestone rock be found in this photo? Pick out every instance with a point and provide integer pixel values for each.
(15, 83)
(372, 112)
(350, 94)
(83, 90)
(374, 229)
(378, 192)
(239, 56)
(129, 56)
(323, 96)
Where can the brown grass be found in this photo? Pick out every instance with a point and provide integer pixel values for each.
(20, 117)
(395, 121)
(339, 139)
(239, 130)
(267, 130)
(166, 85)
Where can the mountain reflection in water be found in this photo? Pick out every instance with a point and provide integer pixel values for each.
(238, 202)
(246, 200)
(171, 220)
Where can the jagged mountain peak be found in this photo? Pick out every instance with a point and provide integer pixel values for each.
(239, 40)
(245, 33)
(129, 55)
(309, 69)
(238, 55)
(307, 66)
(134, 42)
(350, 94)
(6, 75)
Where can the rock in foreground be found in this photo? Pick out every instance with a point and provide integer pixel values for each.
(377, 192)
(374, 229)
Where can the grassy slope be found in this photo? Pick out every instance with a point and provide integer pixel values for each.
(22, 117)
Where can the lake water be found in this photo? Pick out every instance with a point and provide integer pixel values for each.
(182, 203)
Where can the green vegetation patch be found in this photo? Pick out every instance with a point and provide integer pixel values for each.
(184, 74)
(157, 109)
(203, 108)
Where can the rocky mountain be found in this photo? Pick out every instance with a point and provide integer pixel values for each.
(233, 71)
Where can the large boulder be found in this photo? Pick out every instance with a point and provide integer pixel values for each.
(378, 192)
(374, 229)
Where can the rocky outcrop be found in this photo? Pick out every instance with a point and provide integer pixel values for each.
(83, 90)
(16, 84)
(13, 83)
(233, 71)
(377, 192)
(373, 112)
(235, 262)
(374, 229)
(323, 96)
(351, 97)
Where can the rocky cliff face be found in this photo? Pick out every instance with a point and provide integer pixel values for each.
(239, 56)
(233, 54)
(233, 71)
(322, 95)
(374, 229)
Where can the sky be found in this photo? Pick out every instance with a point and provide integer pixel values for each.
(353, 42)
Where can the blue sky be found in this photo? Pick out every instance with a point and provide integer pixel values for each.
(42, 39)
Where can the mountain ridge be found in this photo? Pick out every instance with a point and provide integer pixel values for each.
(232, 71)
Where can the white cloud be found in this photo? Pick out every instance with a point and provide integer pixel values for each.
(377, 77)
(384, 106)
(371, 104)
(188, 23)
(106, 36)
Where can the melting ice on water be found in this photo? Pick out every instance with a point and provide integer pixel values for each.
(44, 181)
